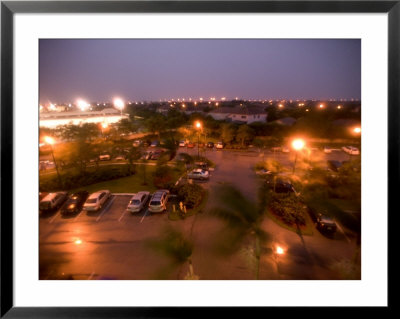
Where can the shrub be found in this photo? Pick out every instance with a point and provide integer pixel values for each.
(190, 194)
(289, 208)
(163, 177)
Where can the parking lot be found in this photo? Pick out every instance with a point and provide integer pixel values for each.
(111, 243)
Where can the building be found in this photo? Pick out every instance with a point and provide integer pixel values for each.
(54, 119)
(239, 114)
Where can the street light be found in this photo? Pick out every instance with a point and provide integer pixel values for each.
(297, 144)
(198, 127)
(119, 104)
(49, 140)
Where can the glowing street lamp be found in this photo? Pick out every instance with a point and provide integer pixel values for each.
(357, 130)
(321, 106)
(119, 104)
(49, 140)
(198, 127)
(298, 145)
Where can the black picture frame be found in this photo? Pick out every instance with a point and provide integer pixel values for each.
(9, 8)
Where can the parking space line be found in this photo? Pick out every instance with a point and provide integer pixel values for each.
(144, 215)
(105, 209)
(122, 216)
(54, 217)
(76, 218)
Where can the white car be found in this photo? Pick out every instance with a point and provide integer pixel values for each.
(138, 201)
(104, 157)
(96, 200)
(198, 173)
(158, 202)
(182, 143)
(219, 145)
(351, 150)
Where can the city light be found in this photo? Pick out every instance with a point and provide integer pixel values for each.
(339, 107)
(119, 104)
(298, 144)
(52, 107)
(321, 106)
(357, 130)
(77, 241)
(104, 125)
(83, 105)
(198, 124)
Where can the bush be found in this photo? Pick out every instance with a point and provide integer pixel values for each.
(288, 208)
(70, 181)
(190, 194)
(163, 177)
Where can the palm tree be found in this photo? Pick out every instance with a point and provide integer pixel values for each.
(177, 248)
(243, 219)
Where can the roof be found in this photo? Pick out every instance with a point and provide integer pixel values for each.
(242, 110)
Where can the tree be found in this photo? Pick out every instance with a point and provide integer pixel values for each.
(177, 248)
(245, 134)
(228, 132)
(243, 220)
(133, 155)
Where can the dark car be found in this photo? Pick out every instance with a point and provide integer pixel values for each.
(334, 165)
(156, 155)
(279, 185)
(326, 224)
(210, 144)
(74, 203)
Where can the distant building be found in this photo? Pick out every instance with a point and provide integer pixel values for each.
(239, 114)
(54, 119)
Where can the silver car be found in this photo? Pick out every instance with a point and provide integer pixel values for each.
(199, 173)
(138, 201)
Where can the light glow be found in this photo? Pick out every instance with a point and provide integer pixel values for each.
(298, 144)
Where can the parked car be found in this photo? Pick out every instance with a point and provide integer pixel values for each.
(137, 143)
(202, 165)
(104, 157)
(220, 145)
(158, 202)
(334, 165)
(201, 145)
(326, 224)
(146, 155)
(74, 203)
(276, 149)
(351, 150)
(42, 195)
(96, 200)
(154, 144)
(327, 150)
(138, 201)
(199, 174)
(156, 154)
(120, 158)
(210, 144)
(263, 172)
(281, 185)
(52, 202)
(182, 143)
(190, 145)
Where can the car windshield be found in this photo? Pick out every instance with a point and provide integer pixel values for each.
(91, 200)
(135, 202)
(155, 203)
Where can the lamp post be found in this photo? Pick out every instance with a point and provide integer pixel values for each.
(198, 127)
(297, 144)
(49, 140)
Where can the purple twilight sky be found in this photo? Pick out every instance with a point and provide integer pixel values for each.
(136, 70)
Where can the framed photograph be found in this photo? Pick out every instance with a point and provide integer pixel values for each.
(165, 157)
